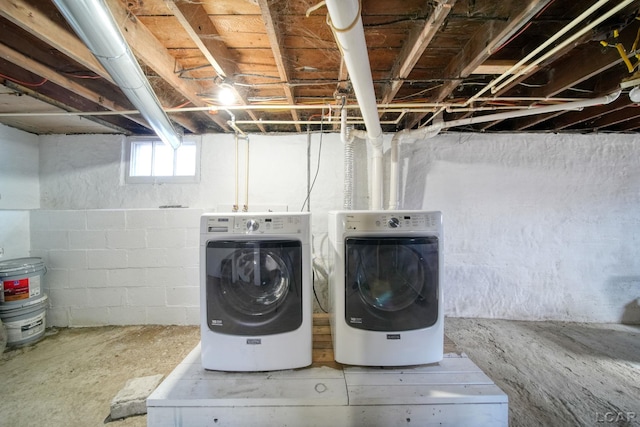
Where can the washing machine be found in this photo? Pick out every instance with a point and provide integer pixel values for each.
(255, 291)
(385, 287)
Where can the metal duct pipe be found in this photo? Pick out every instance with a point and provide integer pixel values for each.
(94, 24)
(435, 128)
(349, 34)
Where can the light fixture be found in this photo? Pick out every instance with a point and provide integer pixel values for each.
(94, 24)
(634, 94)
(632, 82)
(226, 95)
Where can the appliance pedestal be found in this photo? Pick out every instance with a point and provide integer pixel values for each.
(452, 392)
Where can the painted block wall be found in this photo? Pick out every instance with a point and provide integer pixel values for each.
(19, 190)
(537, 226)
(85, 292)
(119, 266)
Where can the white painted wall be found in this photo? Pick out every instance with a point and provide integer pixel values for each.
(94, 279)
(537, 226)
(19, 190)
(119, 266)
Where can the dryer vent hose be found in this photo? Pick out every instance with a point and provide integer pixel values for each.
(348, 175)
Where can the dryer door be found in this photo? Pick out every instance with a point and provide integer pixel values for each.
(254, 287)
(391, 283)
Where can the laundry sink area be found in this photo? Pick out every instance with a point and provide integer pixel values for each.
(451, 392)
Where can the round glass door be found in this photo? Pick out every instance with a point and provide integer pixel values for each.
(389, 278)
(254, 281)
(391, 283)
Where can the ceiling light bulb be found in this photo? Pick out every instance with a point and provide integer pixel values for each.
(226, 96)
(634, 94)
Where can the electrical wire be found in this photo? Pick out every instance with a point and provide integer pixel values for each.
(81, 76)
(24, 83)
(313, 183)
(315, 294)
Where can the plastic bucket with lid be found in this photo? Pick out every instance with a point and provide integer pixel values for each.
(25, 323)
(20, 280)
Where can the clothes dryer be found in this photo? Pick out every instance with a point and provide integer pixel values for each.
(385, 287)
(255, 291)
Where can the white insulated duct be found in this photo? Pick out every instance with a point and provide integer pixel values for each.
(347, 141)
(93, 22)
(349, 33)
(435, 128)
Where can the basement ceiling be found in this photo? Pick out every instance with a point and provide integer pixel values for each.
(455, 58)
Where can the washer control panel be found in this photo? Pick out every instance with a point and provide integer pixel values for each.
(392, 220)
(258, 224)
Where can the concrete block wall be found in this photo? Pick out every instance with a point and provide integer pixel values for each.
(119, 267)
(537, 227)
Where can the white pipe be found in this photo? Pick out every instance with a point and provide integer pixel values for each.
(394, 168)
(567, 106)
(435, 128)
(93, 22)
(519, 66)
(401, 108)
(349, 33)
(565, 43)
(394, 173)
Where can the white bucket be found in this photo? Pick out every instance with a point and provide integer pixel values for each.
(20, 280)
(25, 324)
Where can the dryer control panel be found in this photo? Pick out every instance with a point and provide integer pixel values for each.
(392, 220)
(258, 224)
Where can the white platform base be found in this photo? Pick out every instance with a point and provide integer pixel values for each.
(453, 392)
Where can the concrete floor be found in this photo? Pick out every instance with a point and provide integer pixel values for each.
(555, 374)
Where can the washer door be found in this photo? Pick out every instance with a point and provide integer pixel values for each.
(391, 283)
(254, 287)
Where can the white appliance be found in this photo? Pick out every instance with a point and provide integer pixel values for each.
(385, 287)
(255, 291)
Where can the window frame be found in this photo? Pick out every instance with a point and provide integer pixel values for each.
(168, 179)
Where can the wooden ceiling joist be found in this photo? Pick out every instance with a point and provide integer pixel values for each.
(491, 36)
(275, 39)
(270, 52)
(415, 46)
(150, 51)
(51, 75)
(194, 19)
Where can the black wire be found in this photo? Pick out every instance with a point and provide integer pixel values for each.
(313, 285)
(313, 183)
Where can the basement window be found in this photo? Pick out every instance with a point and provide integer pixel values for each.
(149, 160)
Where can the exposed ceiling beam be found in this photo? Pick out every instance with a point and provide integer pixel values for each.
(33, 21)
(606, 82)
(196, 22)
(150, 51)
(487, 40)
(629, 126)
(529, 122)
(30, 19)
(113, 123)
(55, 77)
(588, 61)
(573, 118)
(275, 39)
(414, 47)
(620, 116)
